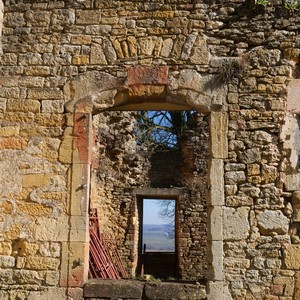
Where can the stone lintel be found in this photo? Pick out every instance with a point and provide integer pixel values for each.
(147, 75)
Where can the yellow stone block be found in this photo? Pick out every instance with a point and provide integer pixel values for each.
(291, 54)
(5, 248)
(14, 232)
(81, 40)
(42, 263)
(24, 106)
(253, 169)
(35, 180)
(9, 131)
(65, 150)
(261, 87)
(49, 120)
(292, 257)
(118, 48)
(80, 60)
(60, 196)
(6, 207)
(34, 209)
(132, 45)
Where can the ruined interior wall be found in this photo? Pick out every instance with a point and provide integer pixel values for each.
(121, 168)
(47, 43)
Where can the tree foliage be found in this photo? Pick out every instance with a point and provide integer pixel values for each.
(161, 130)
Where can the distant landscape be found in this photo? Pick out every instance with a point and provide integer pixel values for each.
(156, 238)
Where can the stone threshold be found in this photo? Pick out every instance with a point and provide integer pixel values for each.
(98, 289)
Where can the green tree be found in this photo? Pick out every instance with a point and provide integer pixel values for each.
(161, 130)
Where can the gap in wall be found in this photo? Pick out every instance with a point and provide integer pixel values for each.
(122, 168)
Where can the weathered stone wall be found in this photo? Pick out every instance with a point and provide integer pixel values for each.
(121, 167)
(64, 59)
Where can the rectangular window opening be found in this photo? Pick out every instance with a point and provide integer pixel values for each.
(159, 225)
(157, 242)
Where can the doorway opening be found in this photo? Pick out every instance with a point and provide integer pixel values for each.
(129, 171)
(157, 242)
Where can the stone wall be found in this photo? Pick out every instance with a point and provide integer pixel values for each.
(65, 60)
(123, 170)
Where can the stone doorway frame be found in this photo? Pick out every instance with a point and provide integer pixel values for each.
(141, 194)
(143, 88)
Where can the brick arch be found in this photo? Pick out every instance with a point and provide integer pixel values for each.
(145, 87)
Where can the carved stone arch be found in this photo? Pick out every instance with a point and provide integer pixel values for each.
(145, 87)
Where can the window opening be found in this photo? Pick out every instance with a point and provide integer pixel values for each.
(159, 225)
(158, 238)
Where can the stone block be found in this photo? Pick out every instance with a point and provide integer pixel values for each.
(235, 177)
(35, 180)
(64, 267)
(88, 17)
(50, 229)
(218, 130)
(52, 278)
(297, 286)
(270, 221)
(199, 55)
(215, 290)
(7, 261)
(45, 94)
(50, 293)
(250, 156)
(5, 248)
(216, 182)
(34, 209)
(292, 182)
(80, 178)
(107, 288)
(75, 293)
(147, 75)
(52, 106)
(23, 106)
(80, 60)
(97, 55)
(174, 291)
(293, 96)
(28, 277)
(235, 223)
(215, 225)
(292, 257)
(253, 169)
(79, 228)
(7, 131)
(78, 263)
(42, 263)
(287, 283)
(215, 259)
(65, 150)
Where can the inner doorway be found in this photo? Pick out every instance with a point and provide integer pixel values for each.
(157, 243)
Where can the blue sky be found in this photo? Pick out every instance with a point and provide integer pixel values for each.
(151, 212)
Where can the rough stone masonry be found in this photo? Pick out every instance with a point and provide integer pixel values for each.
(236, 61)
